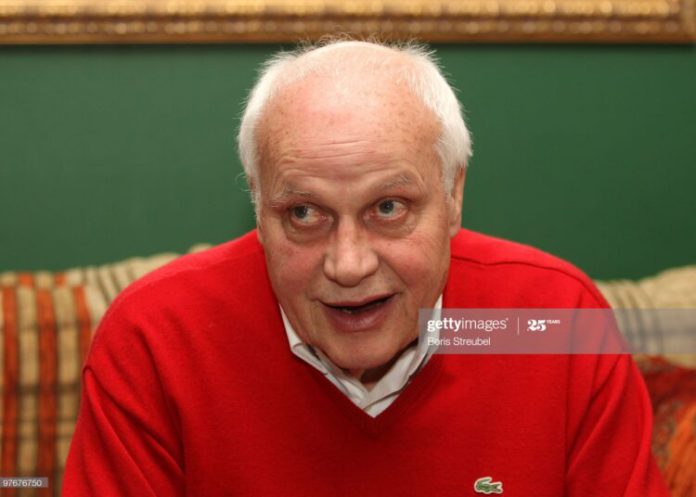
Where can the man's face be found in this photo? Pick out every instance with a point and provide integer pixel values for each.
(353, 217)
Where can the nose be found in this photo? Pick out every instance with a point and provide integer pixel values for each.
(350, 258)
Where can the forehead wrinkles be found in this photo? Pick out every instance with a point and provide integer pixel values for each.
(316, 112)
(320, 112)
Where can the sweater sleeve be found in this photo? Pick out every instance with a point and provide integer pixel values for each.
(609, 449)
(611, 453)
(125, 441)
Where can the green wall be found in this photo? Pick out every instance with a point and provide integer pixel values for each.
(107, 152)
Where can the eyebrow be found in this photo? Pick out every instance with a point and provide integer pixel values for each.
(399, 180)
(288, 192)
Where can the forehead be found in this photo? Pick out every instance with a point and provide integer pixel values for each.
(363, 115)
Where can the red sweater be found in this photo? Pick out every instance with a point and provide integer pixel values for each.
(190, 389)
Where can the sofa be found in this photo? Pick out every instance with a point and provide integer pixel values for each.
(47, 320)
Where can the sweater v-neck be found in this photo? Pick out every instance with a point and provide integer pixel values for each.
(409, 397)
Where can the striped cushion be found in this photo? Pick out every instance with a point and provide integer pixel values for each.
(46, 323)
(46, 332)
(671, 289)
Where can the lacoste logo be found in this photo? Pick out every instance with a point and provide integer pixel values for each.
(485, 485)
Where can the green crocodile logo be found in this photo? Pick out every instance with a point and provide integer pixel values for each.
(485, 485)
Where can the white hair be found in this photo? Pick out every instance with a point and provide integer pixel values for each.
(421, 73)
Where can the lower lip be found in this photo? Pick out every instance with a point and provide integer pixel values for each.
(362, 321)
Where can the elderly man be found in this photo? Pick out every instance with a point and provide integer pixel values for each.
(287, 362)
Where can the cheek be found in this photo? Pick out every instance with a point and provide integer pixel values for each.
(291, 268)
(421, 261)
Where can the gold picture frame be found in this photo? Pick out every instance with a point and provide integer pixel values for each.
(210, 21)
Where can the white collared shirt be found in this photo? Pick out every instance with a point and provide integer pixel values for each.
(386, 390)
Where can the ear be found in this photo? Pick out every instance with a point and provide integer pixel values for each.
(257, 209)
(259, 231)
(455, 202)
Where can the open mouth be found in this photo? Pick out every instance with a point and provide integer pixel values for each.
(359, 308)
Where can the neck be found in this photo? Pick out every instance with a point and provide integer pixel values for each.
(370, 377)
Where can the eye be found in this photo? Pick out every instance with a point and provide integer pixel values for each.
(305, 214)
(390, 208)
(300, 211)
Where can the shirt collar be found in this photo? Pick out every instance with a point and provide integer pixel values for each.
(408, 364)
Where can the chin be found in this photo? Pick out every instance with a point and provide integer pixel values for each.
(364, 360)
